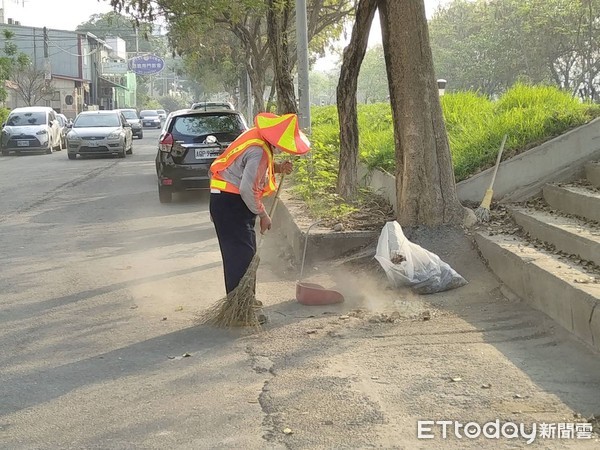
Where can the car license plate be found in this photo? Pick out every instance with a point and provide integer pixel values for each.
(92, 144)
(202, 154)
(22, 143)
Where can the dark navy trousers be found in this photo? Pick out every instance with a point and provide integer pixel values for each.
(234, 224)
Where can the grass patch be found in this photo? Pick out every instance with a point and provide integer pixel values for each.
(476, 125)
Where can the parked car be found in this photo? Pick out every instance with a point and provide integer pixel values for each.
(162, 114)
(64, 129)
(189, 143)
(150, 118)
(100, 133)
(31, 129)
(136, 124)
(212, 105)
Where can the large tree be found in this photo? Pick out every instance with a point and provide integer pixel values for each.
(346, 98)
(247, 20)
(425, 184)
(31, 85)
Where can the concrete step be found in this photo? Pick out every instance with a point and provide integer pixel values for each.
(558, 288)
(574, 200)
(569, 235)
(592, 172)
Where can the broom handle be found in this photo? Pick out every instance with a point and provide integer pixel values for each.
(498, 160)
(272, 210)
(275, 200)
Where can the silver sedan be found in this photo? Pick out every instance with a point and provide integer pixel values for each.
(100, 133)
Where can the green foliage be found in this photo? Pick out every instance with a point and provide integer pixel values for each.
(115, 24)
(151, 103)
(171, 103)
(10, 62)
(4, 114)
(488, 45)
(475, 125)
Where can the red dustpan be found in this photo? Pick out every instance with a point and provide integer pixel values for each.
(311, 293)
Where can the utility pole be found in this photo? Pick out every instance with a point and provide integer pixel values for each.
(303, 87)
(47, 68)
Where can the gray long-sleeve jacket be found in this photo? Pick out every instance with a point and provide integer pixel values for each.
(249, 173)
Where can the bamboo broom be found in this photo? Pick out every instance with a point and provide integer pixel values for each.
(483, 212)
(238, 308)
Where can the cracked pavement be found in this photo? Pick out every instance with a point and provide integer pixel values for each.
(101, 288)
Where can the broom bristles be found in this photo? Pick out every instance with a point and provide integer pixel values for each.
(237, 309)
(483, 212)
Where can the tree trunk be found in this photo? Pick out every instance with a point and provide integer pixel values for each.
(257, 82)
(278, 24)
(271, 100)
(346, 99)
(425, 184)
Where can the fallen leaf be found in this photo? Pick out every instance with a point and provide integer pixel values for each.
(163, 319)
(133, 307)
(375, 378)
(456, 379)
(344, 317)
(311, 331)
(486, 386)
(252, 401)
(518, 396)
(179, 308)
(287, 431)
(186, 355)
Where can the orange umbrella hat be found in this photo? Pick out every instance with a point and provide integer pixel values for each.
(283, 132)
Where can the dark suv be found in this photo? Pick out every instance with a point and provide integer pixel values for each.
(189, 143)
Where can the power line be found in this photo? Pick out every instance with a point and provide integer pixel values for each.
(85, 55)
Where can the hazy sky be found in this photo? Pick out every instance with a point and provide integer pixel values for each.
(67, 14)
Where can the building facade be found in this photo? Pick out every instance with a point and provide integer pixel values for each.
(74, 64)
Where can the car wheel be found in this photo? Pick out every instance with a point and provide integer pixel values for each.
(165, 195)
(5, 152)
(130, 151)
(122, 152)
(72, 155)
(141, 136)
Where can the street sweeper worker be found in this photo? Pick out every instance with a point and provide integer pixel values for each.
(240, 178)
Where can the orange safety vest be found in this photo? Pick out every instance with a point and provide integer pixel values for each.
(236, 148)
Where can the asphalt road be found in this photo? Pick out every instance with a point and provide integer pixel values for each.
(101, 287)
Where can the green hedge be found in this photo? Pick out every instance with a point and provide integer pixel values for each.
(529, 115)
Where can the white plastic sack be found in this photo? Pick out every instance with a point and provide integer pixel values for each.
(408, 264)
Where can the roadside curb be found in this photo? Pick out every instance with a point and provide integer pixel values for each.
(291, 220)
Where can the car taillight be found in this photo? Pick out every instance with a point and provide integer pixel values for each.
(166, 144)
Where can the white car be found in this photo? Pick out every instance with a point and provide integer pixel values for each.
(162, 114)
(31, 129)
